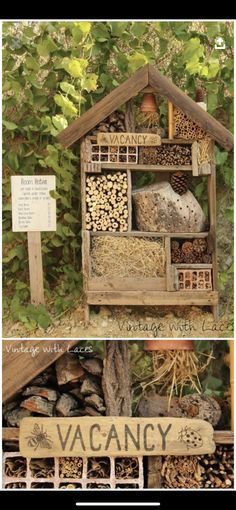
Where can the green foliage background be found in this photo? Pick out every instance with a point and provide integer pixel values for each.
(52, 73)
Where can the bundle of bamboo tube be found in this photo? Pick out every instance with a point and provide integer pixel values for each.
(107, 202)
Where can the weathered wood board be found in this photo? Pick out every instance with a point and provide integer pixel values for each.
(114, 436)
(129, 139)
(24, 359)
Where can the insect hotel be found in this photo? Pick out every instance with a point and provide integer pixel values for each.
(154, 244)
(66, 425)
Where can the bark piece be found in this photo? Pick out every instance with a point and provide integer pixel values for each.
(202, 407)
(76, 392)
(91, 411)
(68, 368)
(93, 365)
(190, 406)
(159, 209)
(47, 393)
(90, 385)
(152, 405)
(46, 377)
(116, 379)
(14, 417)
(38, 405)
(67, 405)
(95, 401)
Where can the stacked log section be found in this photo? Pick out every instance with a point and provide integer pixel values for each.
(114, 123)
(166, 155)
(107, 202)
(70, 387)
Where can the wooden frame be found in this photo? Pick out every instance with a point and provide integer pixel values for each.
(150, 291)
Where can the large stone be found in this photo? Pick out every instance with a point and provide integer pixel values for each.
(159, 209)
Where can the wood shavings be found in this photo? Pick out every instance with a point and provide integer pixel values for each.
(127, 257)
(15, 466)
(98, 467)
(205, 150)
(127, 468)
(42, 468)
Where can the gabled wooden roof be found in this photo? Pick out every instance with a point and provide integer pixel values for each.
(145, 76)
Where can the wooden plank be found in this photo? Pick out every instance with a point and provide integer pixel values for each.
(195, 159)
(193, 266)
(103, 284)
(220, 436)
(10, 434)
(205, 169)
(114, 436)
(163, 140)
(214, 128)
(138, 233)
(104, 107)
(201, 298)
(130, 116)
(24, 359)
(35, 268)
(129, 139)
(211, 190)
(169, 280)
(170, 120)
(129, 192)
(224, 436)
(92, 168)
(154, 472)
(146, 168)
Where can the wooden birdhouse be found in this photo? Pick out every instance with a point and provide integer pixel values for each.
(153, 244)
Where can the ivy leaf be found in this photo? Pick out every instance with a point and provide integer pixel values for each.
(59, 122)
(68, 88)
(31, 63)
(77, 67)
(66, 105)
(69, 218)
(136, 61)
(193, 49)
(138, 28)
(44, 321)
(90, 82)
(10, 126)
(84, 26)
(46, 47)
(118, 28)
(214, 67)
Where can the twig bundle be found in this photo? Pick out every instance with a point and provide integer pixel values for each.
(107, 202)
(127, 257)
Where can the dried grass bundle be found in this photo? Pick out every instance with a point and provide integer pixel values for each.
(127, 257)
(174, 370)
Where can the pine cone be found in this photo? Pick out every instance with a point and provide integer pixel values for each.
(177, 256)
(187, 247)
(179, 182)
(174, 245)
(189, 258)
(199, 245)
(199, 98)
(206, 258)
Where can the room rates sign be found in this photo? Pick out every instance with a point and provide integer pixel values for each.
(112, 436)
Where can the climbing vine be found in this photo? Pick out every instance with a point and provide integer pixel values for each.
(52, 73)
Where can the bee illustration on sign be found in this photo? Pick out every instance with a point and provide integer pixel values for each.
(190, 437)
(39, 438)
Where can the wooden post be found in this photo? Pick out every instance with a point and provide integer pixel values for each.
(231, 351)
(170, 120)
(35, 268)
(211, 188)
(85, 234)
